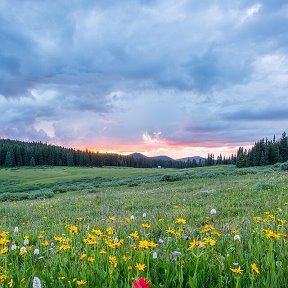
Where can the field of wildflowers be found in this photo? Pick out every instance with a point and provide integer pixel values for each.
(220, 231)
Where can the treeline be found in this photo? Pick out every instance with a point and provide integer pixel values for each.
(264, 152)
(17, 153)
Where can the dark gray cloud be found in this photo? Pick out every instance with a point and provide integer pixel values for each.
(197, 71)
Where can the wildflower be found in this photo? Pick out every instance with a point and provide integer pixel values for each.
(213, 212)
(110, 230)
(16, 230)
(10, 283)
(255, 268)
(91, 259)
(237, 270)
(134, 235)
(196, 243)
(146, 244)
(146, 225)
(13, 247)
(181, 221)
(36, 251)
(61, 277)
(270, 234)
(207, 228)
(176, 253)
(170, 231)
(209, 241)
(154, 255)
(160, 241)
(26, 241)
(80, 282)
(97, 232)
(23, 250)
(4, 250)
(82, 257)
(237, 237)
(73, 229)
(140, 267)
(141, 283)
(113, 261)
(3, 277)
(36, 282)
(187, 237)
(132, 217)
(102, 251)
(111, 218)
(144, 215)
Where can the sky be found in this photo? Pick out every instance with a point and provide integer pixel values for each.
(161, 77)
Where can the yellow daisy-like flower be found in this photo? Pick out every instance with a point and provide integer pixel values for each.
(83, 256)
(140, 267)
(91, 259)
(111, 218)
(103, 251)
(210, 241)
(180, 221)
(73, 229)
(146, 244)
(80, 282)
(255, 268)
(146, 225)
(207, 228)
(11, 283)
(170, 231)
(134, 235)
(237, 271)
(113, 261)
(110, 230)
(97, 232)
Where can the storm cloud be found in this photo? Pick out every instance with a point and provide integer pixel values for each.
(156, 76)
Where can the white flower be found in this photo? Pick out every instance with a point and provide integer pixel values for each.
(132, 217)
(26, 241)
(13, 247)
(116, 239)
(213, 211)
(36, 251)
(16, 229)
(36, 282)
(144, 215)
(154, 255)
(23, 250)
(237, 237)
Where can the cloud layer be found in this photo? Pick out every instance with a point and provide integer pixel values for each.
(152, 76)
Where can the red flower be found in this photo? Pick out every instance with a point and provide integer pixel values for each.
(141, 283)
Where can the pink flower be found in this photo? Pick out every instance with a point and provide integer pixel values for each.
(141, 283)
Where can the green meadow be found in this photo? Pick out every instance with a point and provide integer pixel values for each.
(107, 227)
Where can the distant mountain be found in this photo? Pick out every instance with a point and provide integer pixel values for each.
(165, 158)
(162, 157)
(197, 158)
(137, 155)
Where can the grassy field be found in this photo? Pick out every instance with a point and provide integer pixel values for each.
(87, 227)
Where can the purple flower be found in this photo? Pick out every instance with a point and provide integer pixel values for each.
(187, 237)
(160, 241)
(176, 253)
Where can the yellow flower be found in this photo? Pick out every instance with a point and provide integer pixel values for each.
(10, 283)
(140, 267)
(134, 235)
(270, 234)
(129, 268)
(113, 261)
(237, 270)
(207, 228)
(46, 243)
(146, 244)
(103, 251)
(4, 250)
(234, 231)
(3, 277)
(80, 282)
(110, 230)
(195, 243)
(73, 229)
(91, 259)
(61, 277)
(170, 231)
(111, 218)
(210, 241)
(255, 268)
(146, 225)
(97, 232)
(4, 241)
(181, 221)
(83, 256)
